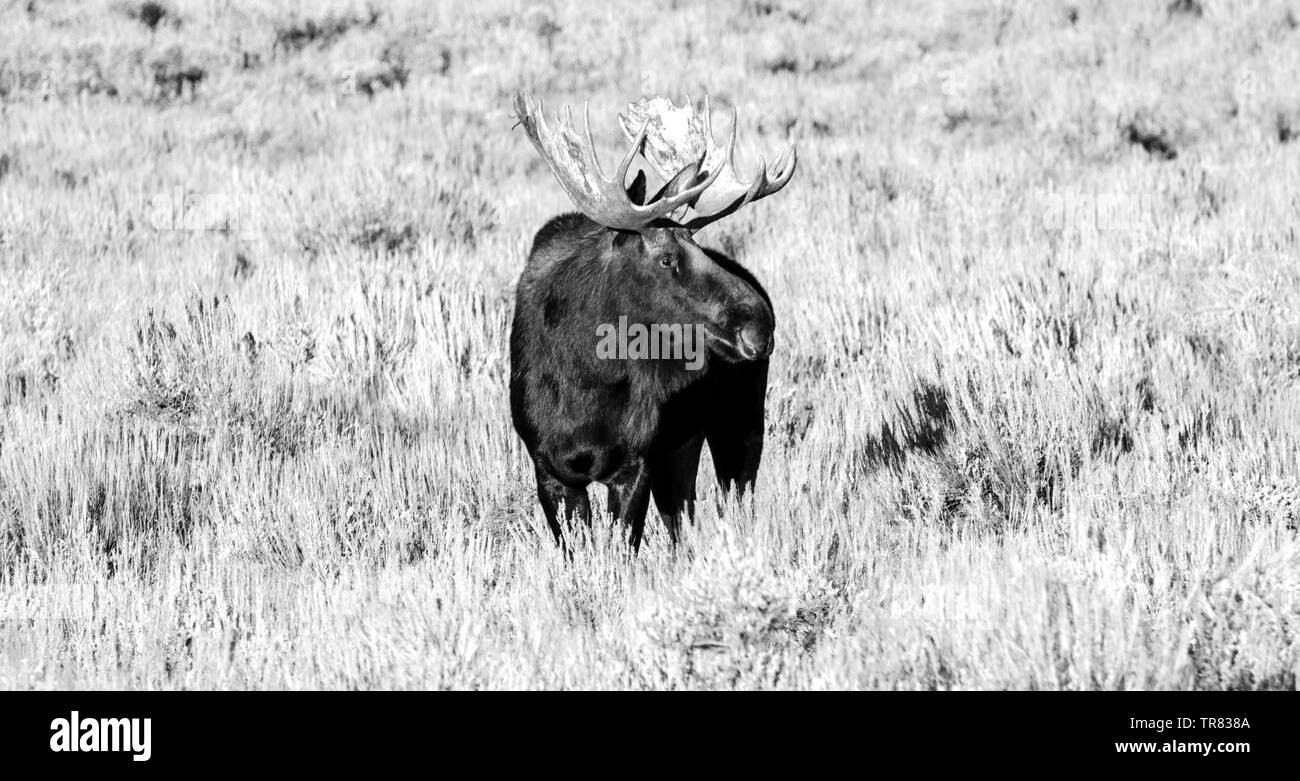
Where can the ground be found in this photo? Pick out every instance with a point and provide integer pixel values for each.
(1032, 419)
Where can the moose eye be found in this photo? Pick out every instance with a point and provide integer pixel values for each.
(667, 261)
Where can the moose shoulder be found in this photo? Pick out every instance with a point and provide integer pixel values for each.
(632, 345)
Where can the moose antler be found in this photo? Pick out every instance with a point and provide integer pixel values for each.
(573, 161)
(678, 143)
(679, 134)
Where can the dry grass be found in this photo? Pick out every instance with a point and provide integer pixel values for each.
(1032, 419)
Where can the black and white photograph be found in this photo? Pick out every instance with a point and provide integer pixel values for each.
(598, 346)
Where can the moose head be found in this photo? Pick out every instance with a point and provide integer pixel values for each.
(667, 276)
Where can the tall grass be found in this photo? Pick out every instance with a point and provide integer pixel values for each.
(1032, 420)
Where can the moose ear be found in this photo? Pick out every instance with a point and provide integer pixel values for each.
(636, 191)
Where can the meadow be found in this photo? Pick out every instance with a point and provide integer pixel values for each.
(1032, 417)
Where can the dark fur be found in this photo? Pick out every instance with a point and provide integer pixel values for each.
(637, 426)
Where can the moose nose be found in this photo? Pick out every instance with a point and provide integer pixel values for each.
(753, 341)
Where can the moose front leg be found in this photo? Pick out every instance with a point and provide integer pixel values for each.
(553, 494)
(629, 498)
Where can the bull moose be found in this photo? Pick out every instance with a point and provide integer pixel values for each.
(636, 420)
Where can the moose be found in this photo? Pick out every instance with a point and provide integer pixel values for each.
(633, 424)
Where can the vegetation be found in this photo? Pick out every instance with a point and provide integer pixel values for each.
(1032, 417)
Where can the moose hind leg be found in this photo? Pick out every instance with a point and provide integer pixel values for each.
(735, 430)
(736, 457)
(673, 484)
(553, 495)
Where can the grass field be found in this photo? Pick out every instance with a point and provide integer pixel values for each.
(1032, 420)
